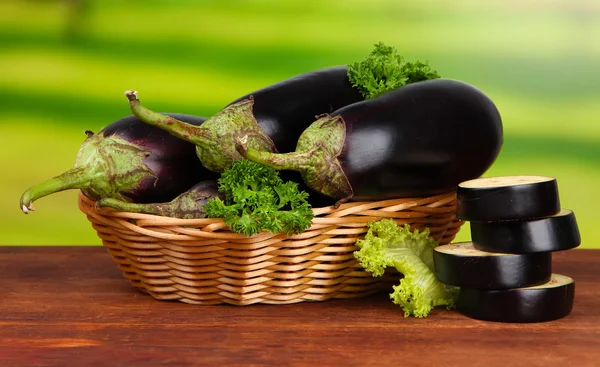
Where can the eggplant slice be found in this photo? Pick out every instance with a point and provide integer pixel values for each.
(555, 233)
(550, 301)
(462, 265)
(507, 198)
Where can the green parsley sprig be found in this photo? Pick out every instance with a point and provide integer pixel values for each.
(257, 199)
(384, 70)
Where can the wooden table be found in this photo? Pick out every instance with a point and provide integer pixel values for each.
(69, 306)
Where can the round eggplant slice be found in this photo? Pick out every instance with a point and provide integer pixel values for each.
(507, 198)
(546, 302)
(461, 264)
(556, 233)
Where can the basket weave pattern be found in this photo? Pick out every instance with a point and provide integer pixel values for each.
(200, 261)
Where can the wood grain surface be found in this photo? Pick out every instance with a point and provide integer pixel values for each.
(69, 306)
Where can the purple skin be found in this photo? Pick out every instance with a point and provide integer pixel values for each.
(172, 160)
(285, 109)
(273, 117)
(419, 140)
(130, 161)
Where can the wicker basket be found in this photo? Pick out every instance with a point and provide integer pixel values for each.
(200, 261)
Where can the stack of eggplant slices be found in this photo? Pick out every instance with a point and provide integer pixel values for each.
(505, 272)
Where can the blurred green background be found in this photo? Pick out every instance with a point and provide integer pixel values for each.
(64, 66)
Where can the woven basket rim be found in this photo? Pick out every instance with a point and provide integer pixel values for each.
(389, 205)
(348, 215)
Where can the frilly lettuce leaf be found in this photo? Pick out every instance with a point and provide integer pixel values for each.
(411, 253)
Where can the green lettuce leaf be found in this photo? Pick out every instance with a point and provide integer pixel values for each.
(411, 253)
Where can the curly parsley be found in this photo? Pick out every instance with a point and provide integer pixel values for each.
(257, 199)
(384, 70)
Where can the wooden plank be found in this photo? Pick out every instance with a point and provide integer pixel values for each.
(64, 306)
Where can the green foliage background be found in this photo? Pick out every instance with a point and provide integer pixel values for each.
(65, 64)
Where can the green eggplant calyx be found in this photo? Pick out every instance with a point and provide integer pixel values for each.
(217, 154)
(104, 167)
(316, 157)
(188, 205)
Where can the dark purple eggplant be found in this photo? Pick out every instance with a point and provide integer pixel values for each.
(131, 161)
(285, 109)
(189, 205)
(422, 139)
(273, 117)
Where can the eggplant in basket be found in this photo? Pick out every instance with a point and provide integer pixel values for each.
(131, 161)
(188, 205)
(419, 140)
(273, 118)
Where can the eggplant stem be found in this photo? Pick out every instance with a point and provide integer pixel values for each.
(341, 201)
(175, 127)
(279, 161)
(75, 178)
(120, 205)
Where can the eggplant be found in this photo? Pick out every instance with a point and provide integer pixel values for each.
(558, 232)
(131, 161)
(546, 302)
(461, 264)
(189, 205)
(418, 140)
(285, 109)
(273, 117)
(493, 199)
